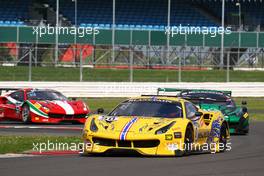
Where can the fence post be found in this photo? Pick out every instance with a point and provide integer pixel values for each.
(30, 65)
(239, 44)
(262, 60)
(36, 51)
(148, 48)
(227, 67)
(93, 53)
(17, 44)
(179, 69)
(81, 65)
(131, 58)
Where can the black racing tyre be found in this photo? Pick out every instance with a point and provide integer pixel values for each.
(223, 137)
(247, 130)
(25, 114)
(188, 141)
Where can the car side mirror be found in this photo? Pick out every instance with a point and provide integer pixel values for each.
(244, 102)
(100, 111)
(198, 113)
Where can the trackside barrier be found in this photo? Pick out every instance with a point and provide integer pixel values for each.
(127, 89)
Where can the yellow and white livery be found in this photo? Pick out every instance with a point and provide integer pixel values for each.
(156, 125)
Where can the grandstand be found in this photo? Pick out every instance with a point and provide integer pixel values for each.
(141, 14)
(10, 16)
(135, 14)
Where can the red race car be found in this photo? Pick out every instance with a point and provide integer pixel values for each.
(41, 106)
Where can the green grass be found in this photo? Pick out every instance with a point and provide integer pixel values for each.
(20, 73)
(107, 103)
(255, 105)
(19, 144)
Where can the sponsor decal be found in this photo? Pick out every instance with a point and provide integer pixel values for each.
(142, 128)
(176, 129)
(172, 146)
(216, 129)
(177, 135)
(203, 91)
(112, 127)
(126, 129)
(152, 99)
(168, 137)
(37, 105)
(245, 115)
(108, 118)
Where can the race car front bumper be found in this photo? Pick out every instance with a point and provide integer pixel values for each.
(152, 145)
(240, 126)
(63, 118)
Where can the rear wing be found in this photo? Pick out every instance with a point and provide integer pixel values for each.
(180, 91)
(6, 90)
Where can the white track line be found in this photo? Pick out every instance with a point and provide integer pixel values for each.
(11, 155)
(39, 127)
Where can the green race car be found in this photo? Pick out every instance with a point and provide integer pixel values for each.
(236, 116)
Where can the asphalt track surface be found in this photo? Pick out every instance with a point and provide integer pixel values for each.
(245, 158)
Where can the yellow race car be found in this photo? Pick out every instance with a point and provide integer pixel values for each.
(156, 125)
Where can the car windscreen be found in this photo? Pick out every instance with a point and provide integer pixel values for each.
(208, 98)
(45, 95)
(148, 109)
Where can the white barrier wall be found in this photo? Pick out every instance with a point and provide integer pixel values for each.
(126, 89)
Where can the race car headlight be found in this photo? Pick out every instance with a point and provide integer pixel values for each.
(45, 108)
(93, 126)
(165, 128)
